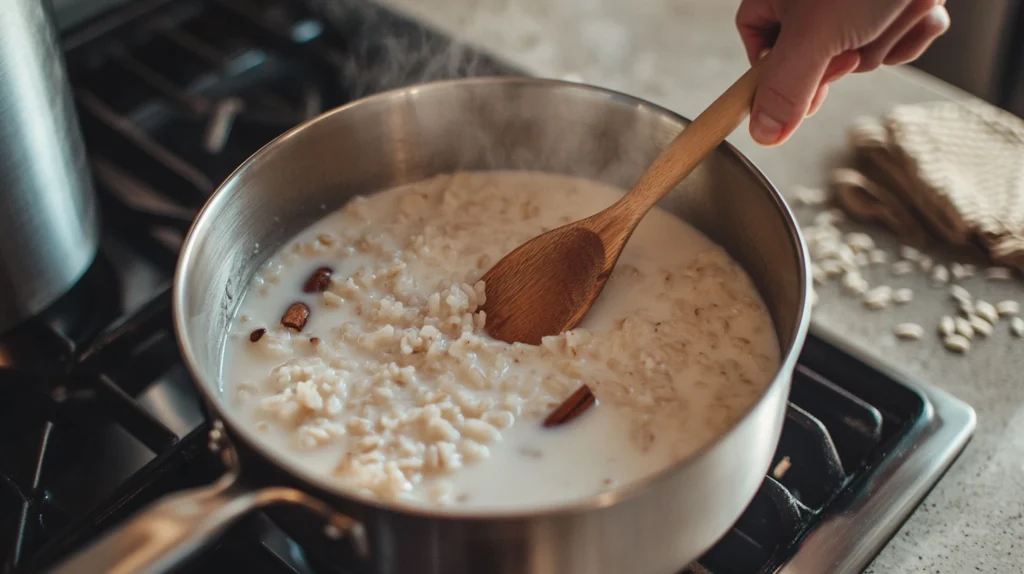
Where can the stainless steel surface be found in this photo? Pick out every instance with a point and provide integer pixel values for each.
(174, 528)
(48, 212)
(864, 519)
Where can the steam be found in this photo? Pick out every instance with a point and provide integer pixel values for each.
(385, 50)
(489, 127)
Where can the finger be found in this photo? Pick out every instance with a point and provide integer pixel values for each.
(875, 52)
(911, 46)
(758, 27)
(756, 42)
(790, 77)
(840, 66)
(819, 98)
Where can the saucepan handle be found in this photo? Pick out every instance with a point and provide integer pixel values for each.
(162, 536)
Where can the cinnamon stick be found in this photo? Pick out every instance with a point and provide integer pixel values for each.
(571, 408)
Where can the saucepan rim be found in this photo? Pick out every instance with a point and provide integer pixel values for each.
(208, 383)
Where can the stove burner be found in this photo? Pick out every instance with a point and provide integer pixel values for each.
(98, 416)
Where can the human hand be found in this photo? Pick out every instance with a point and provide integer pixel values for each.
(815, 42)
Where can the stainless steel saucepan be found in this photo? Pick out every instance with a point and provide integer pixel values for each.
(655, 526)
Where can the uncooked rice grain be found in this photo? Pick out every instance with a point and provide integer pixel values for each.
(998, 274)
(878, 298)
(910, 253)
(981, 326)
(911, 331)
(947, 326)
(1007, 308)
(986, 311)
(964, 327)
(1017, 327)
(959, 293)
(901, 268)
(902, 296)
(956, 343)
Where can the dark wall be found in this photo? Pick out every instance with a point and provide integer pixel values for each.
(982, 52)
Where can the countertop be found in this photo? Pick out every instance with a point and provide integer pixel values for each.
(681, 54)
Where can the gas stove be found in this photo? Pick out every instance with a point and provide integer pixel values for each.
(98, 416)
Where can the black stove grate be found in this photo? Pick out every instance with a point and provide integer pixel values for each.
(172, 96)
(830, 441)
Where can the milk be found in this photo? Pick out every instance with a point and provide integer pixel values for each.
(678, 346)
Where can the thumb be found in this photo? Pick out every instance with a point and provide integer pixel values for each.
(790, 76)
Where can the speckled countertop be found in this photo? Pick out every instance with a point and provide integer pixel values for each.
(681, 54)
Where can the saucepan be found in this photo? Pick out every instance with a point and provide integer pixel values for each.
(654, 526)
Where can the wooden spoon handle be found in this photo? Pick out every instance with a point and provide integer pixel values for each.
(690, 147)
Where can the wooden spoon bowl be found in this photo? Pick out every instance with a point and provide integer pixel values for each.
(547, 285)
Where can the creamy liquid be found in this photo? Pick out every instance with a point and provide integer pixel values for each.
(411, 402)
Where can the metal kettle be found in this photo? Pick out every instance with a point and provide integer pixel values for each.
(49, 220)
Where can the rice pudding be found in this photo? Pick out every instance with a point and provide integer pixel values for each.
(358, 350)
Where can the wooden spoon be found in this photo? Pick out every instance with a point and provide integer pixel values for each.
(547, 285)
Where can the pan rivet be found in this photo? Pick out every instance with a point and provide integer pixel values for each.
(333, 532)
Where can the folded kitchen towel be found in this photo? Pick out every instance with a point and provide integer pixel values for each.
(953, 170)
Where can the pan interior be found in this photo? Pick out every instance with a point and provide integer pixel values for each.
(415, 133)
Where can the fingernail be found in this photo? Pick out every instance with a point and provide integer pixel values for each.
(766, 130)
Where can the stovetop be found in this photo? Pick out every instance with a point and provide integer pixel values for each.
(98, 416)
